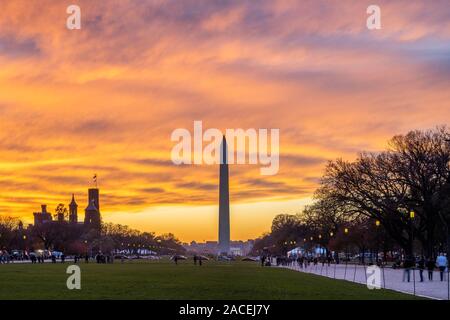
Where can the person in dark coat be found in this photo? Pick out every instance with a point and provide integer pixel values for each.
(421, 267)
(408, 264)
(430, 267)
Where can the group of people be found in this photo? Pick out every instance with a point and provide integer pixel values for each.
(301, 261)
(408, 264)
(197, 259)
(104, 258)
(99, 258)
(423, 264)
(5, 257)
(36, 258)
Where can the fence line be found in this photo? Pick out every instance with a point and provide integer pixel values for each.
(391, 279)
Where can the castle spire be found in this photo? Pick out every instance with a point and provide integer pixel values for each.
(73, 210)
(73, 201)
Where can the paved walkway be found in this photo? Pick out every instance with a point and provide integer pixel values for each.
(29, 261)
(390, 279)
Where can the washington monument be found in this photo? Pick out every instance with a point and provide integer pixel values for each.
(224, 201)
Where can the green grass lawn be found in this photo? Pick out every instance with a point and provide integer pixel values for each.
(164, 280)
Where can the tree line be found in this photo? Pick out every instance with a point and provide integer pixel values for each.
(76, 239)
(397, 199)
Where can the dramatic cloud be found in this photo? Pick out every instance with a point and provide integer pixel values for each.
(105, 99)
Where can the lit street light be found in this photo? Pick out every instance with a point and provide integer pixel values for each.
(377, 224)
(346, 253)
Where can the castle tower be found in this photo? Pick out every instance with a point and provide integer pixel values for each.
(224, 201)
(43, 216)
(73, 210)
(93, 194)
(92, 218)
(37, 218)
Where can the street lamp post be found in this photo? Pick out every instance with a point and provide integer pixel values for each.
(86, 246)
(321, 253)
(336, 258)
(377, 224)
(24, 237)
(346, 252)
(320, 245)
(412, 215)
(354, 273)
(413, 260)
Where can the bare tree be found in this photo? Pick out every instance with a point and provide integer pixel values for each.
(405, 188)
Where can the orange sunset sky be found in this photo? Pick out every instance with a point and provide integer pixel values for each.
(105, 99)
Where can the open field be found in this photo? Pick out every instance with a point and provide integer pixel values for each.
(164, 280)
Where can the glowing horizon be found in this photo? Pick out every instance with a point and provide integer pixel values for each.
(105, 99)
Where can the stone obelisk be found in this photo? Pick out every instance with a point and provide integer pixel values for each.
(224, 201)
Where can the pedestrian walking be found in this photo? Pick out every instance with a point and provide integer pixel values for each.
(442, 263)
(407, 265)
(430, 264)
(421, 267)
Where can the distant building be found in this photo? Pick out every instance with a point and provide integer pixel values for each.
(43, 216)
(73, 210)
(238, 248)
(92, 218)
(93, 195)
(236, 251)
